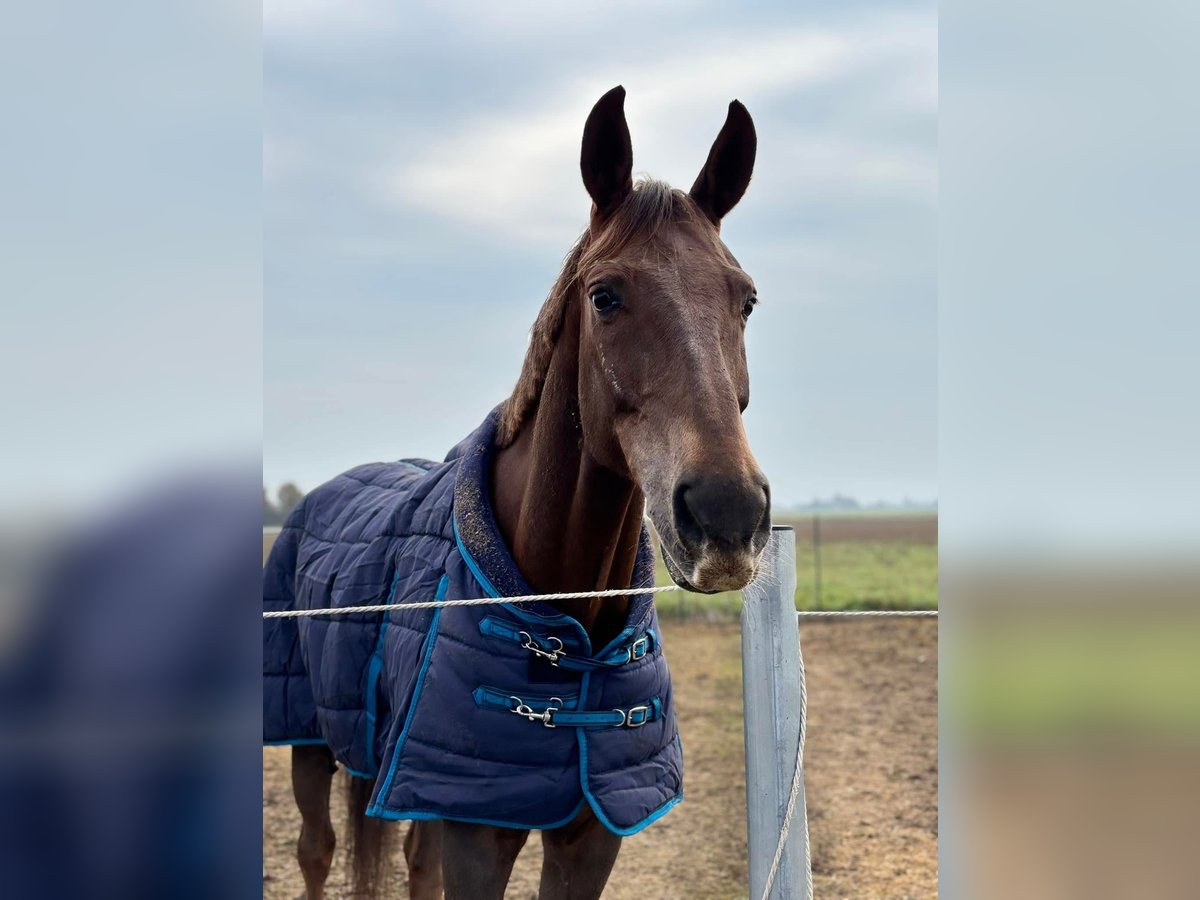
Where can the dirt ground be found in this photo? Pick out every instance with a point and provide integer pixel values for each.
(870, 773)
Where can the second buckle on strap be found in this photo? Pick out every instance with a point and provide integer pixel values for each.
(634, 717)
(553, 716)
(639, 648)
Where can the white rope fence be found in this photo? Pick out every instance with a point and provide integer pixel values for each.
(479, 601)
(860, 613)
(573, 595)
(794, 794)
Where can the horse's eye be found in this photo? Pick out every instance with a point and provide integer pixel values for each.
(748, 307)
(604, 300)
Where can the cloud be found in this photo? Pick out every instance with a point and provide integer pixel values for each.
(281, 159)
(304, 21)
(516, 169)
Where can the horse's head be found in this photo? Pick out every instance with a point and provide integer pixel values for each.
(662, 358)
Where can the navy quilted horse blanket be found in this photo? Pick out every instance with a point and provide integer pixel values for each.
(502, 714)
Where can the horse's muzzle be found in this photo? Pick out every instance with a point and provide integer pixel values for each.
(721, 525)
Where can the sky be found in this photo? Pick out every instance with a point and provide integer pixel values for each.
(421, 186)
(130, 248)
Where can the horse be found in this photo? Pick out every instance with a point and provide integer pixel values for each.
(628, 405)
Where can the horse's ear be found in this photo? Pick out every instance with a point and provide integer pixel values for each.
(726, 173)
(607, 157)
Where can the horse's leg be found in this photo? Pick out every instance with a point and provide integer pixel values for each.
(423, 851)
(577, 859)
(313, 767)
(478, 859)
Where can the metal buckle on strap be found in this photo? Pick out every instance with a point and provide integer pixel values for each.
(546, 717)
(634, 717)
(639, 648)
(551, 656)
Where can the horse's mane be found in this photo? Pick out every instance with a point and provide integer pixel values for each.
(650, 206)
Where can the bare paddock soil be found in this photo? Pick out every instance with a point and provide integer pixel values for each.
(871, 774)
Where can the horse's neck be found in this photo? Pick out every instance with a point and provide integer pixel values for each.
(571, 524)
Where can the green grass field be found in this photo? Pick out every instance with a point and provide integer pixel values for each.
(867, 561)
(1045, 674)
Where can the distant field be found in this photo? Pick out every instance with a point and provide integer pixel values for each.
(919, 528)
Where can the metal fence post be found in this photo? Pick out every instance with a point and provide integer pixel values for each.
(816, 536)
(771, 693)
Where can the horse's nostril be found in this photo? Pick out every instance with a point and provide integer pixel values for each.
(726, 511)
(687, 526)
(765, 487)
